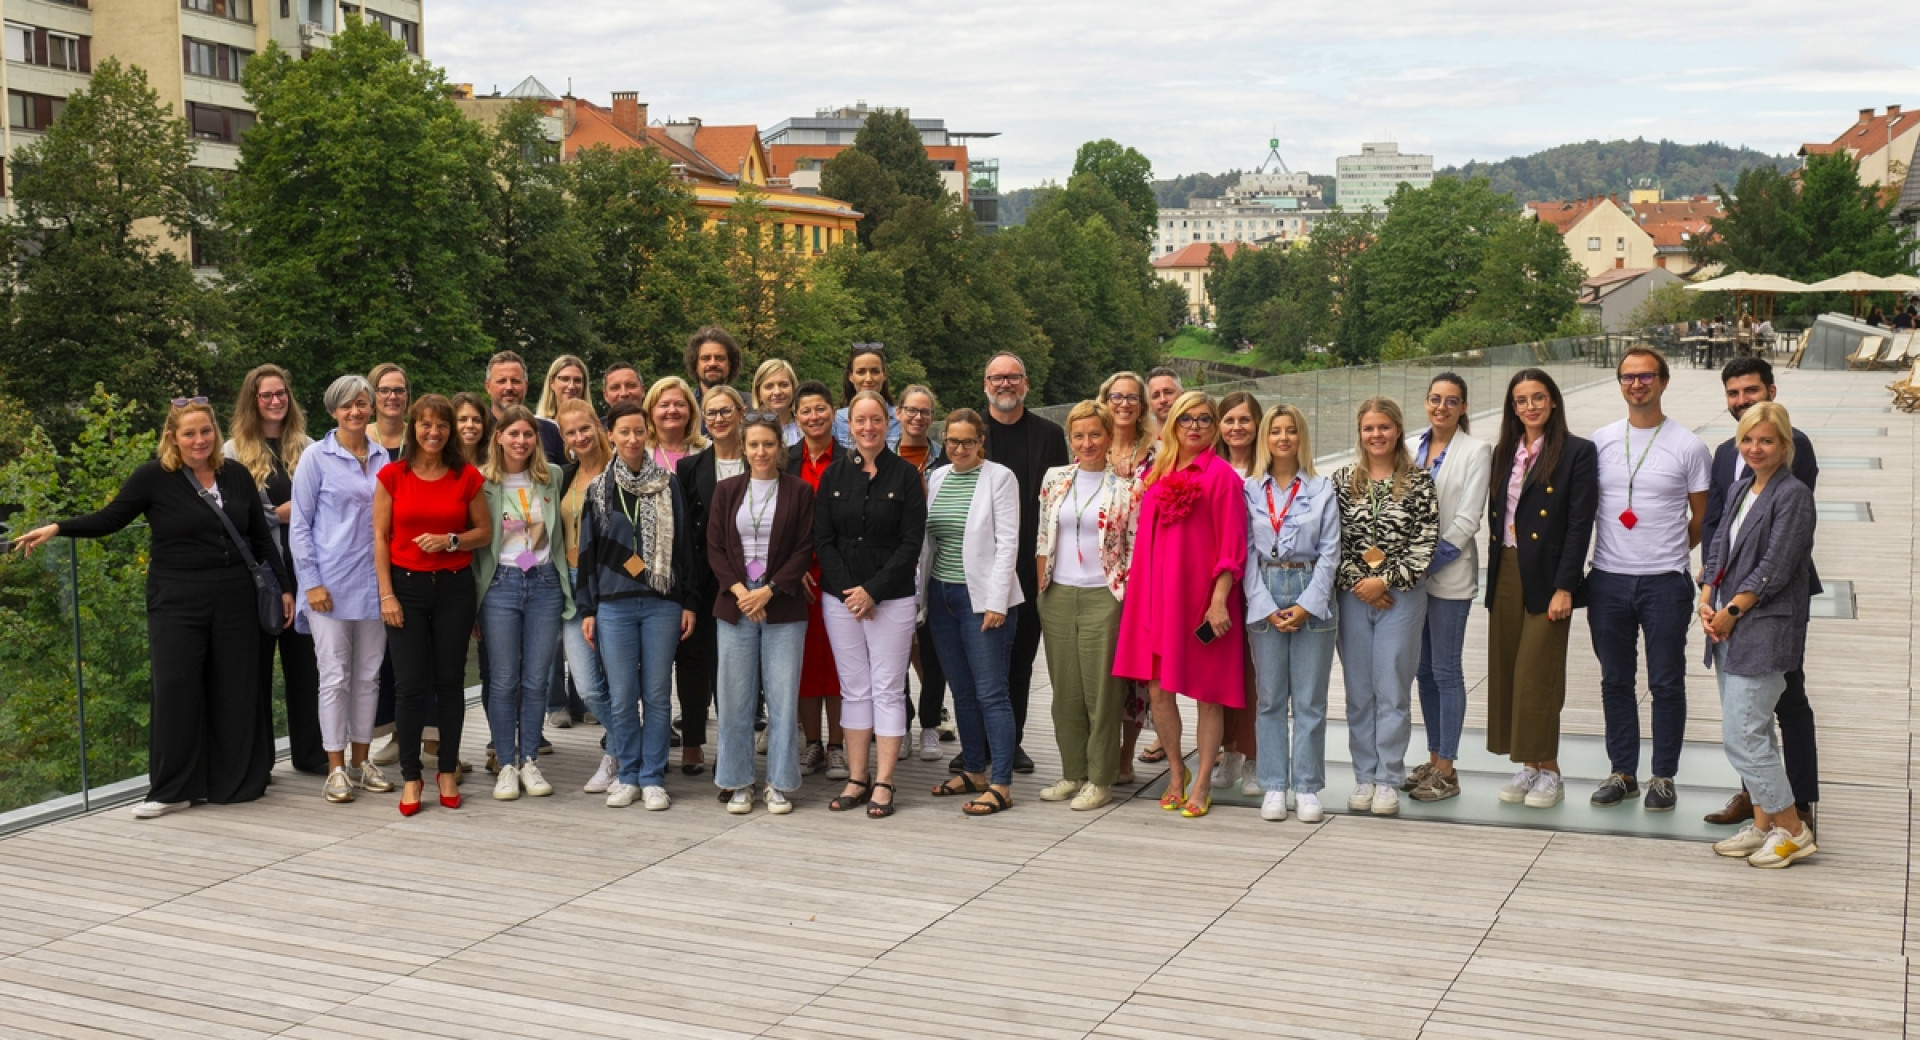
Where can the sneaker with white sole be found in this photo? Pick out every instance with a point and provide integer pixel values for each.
(1307, 808)
(1749, 840)
(535, 784)
(1386, 800)
(1783, 849)
(153, 810)
(1250, 779)
(1515, 790)
(368, 777)
(620, 795)
(602, 779)
(740, 802)
(654, 797)
(559, 720)
(929, 745)
(387, 754)
(507, 787)
(1091, 796)
(812, 758)
(1228, 770)
(947, 732)
(1274, 806)
(1361, 800)
(837, 763)
(777, 803)
(339, 786)
(1061, 790)
(1547, 790)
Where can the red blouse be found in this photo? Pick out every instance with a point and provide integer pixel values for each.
(429, 507)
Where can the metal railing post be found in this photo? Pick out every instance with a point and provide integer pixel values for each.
(79, 674)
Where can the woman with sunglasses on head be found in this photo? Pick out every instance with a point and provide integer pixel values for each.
(203, 624)
(268, 436)
(772, 391)
(723, 459)
(1134, 430)
(1389, 523)
(1461, 466)
(819, 677)
(916, 411)
(1189, 553)
(590, 451)
(1240, 757)
(866, 373)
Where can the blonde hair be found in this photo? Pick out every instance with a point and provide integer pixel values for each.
(695, 418)
(1169, 453)
(885, 408)
(550, 402)
(495, 466)
(249, 445)
(1263, 455)
(1091, 410)
(601, 444)
(769, 368)
(170, 457)
(1143, 427)
(1775, 415)
(1402, 459)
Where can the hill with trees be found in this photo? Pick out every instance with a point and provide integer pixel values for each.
(1600, 167)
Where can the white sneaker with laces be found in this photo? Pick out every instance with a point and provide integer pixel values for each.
(339, 786)
(152, 810)
(1749, 840)
(1250, 779)
(369, 777)
(1361, 800)
(906, 745)
(1274, 806)
(1061, 790)
(387, 754)
(1783, 849)
(559, 720)
(837, 763)
(1547, 791)
(1308, 808)
(1091, 796)
(1386, 800)
(654, 797)
(1228, 769)
(620, 795)
(929, 745)
(1517, 789)
(777, 803)
(507, 788)
(535, 784)
(602, 779)
(740, 802)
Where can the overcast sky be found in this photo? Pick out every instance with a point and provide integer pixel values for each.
(1200, 87)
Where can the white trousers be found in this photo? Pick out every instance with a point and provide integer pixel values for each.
(871, 657)
(348, 653)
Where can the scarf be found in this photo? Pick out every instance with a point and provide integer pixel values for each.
(652, 520)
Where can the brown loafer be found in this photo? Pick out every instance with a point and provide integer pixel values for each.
(1738, 809)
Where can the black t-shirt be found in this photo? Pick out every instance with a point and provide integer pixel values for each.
(1029, 446)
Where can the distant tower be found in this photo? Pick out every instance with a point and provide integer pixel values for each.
(1273, 156)
(1643, 191)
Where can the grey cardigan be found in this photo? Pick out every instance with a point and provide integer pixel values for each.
(1773, 559)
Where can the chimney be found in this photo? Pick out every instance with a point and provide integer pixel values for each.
(1866, 116)
(1614, 198)
(683, 133)
(629, 115)
(1893, 111)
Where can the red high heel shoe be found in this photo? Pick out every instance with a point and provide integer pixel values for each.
(449, 801)
(409, 808)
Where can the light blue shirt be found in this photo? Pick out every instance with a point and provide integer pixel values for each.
(1311, 534)
(843, 432)
(331, 533)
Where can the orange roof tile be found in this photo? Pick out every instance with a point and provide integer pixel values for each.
(1196, 254)
(1563, 215)
(593, 125)
(1868, 135)
(1675, 223)
(730, 147)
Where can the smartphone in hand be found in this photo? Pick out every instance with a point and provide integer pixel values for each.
(1204, 633)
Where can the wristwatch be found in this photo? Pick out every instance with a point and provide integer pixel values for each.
(453, 543)
(1733, 610)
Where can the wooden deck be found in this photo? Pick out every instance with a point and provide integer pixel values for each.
(559, 917)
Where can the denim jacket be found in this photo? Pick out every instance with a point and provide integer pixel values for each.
(1310, 534)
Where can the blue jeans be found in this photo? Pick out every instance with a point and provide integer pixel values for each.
(759, 659)
(520, 619)
(637, 639)
(1620, 608)
(976, 664)
(1443, 680)
(589, 675)
(1379, 652)
(1746, 728)
(1291, 671)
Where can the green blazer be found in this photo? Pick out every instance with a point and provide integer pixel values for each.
(487, 560)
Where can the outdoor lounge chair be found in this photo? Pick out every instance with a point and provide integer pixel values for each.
(1906, 391)
(1867, 353)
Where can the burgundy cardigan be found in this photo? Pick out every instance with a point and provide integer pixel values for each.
(789, 548)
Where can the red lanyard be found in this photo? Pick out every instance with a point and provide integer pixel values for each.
(1281, 517)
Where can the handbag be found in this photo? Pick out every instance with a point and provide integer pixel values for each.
(266, 584)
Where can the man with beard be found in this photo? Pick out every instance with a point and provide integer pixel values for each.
(507, 388)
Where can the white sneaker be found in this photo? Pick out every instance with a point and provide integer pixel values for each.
(1783, 849)
(1748, 841)
(1061, 790)
(1250, 779)
(1092, 796)
(929, 745)
(602, 779)
(151, 810)
(1361, 800)
(1228, 769)
(1274, 806)
(654, 797)
(386, 754)
(741, 802)
(368, 776)
(1386, 800)
(507, 788)
(1547, 791)
(559, 720)
(776, 800)
(620, 795)
(1517, 789)
(339, 786)
(1309, 808)
(535, 784)
(837, 763)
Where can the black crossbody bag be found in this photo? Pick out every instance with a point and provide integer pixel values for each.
(266, 585)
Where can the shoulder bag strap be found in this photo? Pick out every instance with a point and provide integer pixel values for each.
(226, 521)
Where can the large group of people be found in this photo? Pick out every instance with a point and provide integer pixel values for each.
(787, 558)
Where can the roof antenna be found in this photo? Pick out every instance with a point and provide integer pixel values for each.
(1273, 155)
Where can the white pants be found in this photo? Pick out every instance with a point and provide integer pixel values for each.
(348, 653)
(871, 657)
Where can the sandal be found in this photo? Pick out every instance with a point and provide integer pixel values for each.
(843, 802)
(1156, 753)
(877, 811)
(1172, 800)
(967, 786)
(977, 807)
(1195, 810)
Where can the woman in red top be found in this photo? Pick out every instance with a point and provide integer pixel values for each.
(428, 517)
(819, 680)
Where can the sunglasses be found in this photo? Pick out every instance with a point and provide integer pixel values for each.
(869, 348)
(752, 418)
(182, 402)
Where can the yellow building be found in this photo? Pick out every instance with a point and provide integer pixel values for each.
(1645, 234)
(1188, 267)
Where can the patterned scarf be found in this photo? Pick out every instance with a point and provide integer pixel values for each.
(653, 517)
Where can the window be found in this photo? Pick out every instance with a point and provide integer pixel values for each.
(33, 46)
(213, 60)
(238, 10)
(1620, 244)
(213, 123)
(19, 43)
(1593, 244)
(63, 52)
(33, 111)
(816, 238)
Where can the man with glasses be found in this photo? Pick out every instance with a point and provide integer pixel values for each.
(1654, 476)
(1029, 446)
(507, 387)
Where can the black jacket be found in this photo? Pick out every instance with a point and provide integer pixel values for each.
(867, 532)
(1553, 525)
(1806, 468)
(698, 474)
(188, 541)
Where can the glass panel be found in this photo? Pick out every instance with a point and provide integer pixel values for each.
(40, 734)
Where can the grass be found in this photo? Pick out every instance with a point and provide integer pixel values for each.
(1196, 342)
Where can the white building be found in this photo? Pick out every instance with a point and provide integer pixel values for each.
(1261, 208)
(1370, 178)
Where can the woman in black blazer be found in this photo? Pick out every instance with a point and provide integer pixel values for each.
(695, 663)
(203, 631)
(1540, 509)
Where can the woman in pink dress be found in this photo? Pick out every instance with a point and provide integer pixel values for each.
(1187, 558)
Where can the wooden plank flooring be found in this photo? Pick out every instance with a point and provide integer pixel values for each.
(560, 918)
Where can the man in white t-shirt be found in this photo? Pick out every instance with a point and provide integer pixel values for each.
(1654, 476)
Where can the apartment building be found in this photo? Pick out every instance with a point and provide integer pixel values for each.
(1262, 207)
(1370, 178)
(799, 146)
(1645, 233)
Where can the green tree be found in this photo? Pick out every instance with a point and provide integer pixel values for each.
(1429, 253)
(891, 139)
(1240, 285)
(858, 179)
(532, 301)
(1761, 231)
(1527, 280)
(1173, 305)
(103, 204)
(1672, 303)
(1849, 225)
(1129, 177)
(358, 192)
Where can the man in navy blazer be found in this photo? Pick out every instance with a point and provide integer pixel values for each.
(1749, 380)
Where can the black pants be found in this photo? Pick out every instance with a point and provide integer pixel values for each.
(1797, 745)
(429, 652)
(203, 743)
(695, 667)
(933, 679)
(300, 686)
(1026, 644)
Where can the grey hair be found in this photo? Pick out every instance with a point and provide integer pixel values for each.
(343, 390)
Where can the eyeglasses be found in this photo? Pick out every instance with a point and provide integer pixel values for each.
(1638, 378)
(1123, 398)
(760, 417)
(1194, 421)
(1436, 401)
(1006, 380)
(964, 443)
(182, 402)
(720, 413)
(392, 391)
(272, 395)
(916, 413)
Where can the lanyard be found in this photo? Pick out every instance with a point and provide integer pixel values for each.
(633, 516)
(757, 512)
(1079, 515)
(1277, 519)
(1626, 454)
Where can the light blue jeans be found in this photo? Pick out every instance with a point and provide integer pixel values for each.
(637, 639)
(1291, 671)
(589, 675)
(1443, 680)
(1379, 651)
(1746, 728)
(520, 620)
(756, 660)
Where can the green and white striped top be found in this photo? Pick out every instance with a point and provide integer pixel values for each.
(947, 520)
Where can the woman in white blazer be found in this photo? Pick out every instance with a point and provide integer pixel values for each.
(967, 584)
(1460, 465)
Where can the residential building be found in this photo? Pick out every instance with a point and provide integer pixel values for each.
(1603, 235)
(1367, 180)
(797, 148)
(1187, 268)
(1611, 297)
(1882, 143)
(1262, 207)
